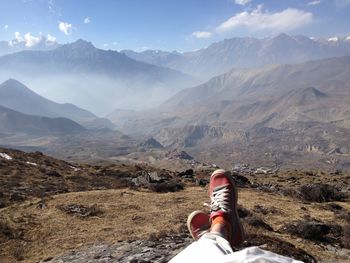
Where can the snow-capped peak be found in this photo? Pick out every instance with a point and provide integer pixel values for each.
(333, 39)
(347, 39)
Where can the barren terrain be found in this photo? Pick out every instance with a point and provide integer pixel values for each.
(303, 214)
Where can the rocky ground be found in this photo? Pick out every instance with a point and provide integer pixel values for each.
(56, 211)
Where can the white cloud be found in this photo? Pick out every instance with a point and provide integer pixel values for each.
(28, 39)
(258, 19)
(65, 27)
(51, 38)
(316, 2)
(242, 2)
(87, 20)
(31, 40)
(105, 45)
(6, 27)
(202, 34)
(115, 43)
(18, 37)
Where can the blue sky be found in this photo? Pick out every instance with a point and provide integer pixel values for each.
(169, 24)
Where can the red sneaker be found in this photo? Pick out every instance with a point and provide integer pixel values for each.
(198, 224)
(223, 195)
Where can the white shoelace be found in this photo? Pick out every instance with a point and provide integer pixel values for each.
(220, 199)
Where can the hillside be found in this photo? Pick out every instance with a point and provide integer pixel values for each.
(17, 96)
(13, 122)
(248, 96)
(283, 112)
(42, 195)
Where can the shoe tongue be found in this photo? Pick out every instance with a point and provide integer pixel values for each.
(218, 188)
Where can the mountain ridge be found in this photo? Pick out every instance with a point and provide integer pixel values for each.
(76, 72)
(242, 52)
(14, 122)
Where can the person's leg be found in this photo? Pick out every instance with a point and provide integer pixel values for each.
(214, 243)
(209, 248)
(223, 207)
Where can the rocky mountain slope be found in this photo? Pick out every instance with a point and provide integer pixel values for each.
(92, 78)
(247, 97)
(245, 52)
(36, 124)
(16, 96)
(292, 108)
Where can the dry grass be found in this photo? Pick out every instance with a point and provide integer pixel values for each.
(129, 215)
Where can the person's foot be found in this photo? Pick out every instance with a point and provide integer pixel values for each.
(198, 224)
(223, 195)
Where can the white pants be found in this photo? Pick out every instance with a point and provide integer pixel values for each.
(212, 248)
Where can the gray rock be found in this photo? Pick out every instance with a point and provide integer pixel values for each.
(159, 251)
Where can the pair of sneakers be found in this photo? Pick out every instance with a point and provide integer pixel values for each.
(223, 202)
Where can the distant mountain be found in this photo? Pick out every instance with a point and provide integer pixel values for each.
(157, 57)
(13, 46)
(274, 96)
(95, 79)
(249, 96)
(151, 143)
(246, 52)
(283, 114)
(16, 96)
(13, 122)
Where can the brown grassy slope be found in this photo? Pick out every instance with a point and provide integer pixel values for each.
(39, 233)
(37, 175)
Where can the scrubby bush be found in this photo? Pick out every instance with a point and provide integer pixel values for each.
(334, 207)
(314, 231)
(164, 187)
(243, 212)
(346, 236)
(320, 193)
(6, 232)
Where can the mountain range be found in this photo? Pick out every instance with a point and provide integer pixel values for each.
(283, 111)
(29, 121)
(313, 91)
(94, 79)
(246, 52)
(279, 111)
(13, 122)
(16, 96)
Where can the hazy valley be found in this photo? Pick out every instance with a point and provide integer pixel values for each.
(96, 131)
